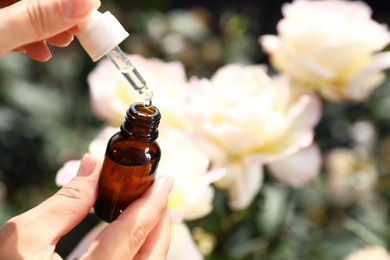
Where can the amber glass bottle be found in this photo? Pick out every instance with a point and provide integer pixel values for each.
(130, 163)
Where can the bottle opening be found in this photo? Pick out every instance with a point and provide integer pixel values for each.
(142, 110)
(142, 121)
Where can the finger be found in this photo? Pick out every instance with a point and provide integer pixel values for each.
(38, 51)
(35, 20)
(129, 232)
(157, 243)
(20, 49)
(60, 213)
(73, 30)
(61, 40)
(86, 241)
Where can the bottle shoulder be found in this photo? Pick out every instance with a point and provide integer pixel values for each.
(132, 151)
(122, 140)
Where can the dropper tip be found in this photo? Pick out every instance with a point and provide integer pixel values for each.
(148, 94)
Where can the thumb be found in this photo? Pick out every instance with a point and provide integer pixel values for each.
(35, 20)
(62, 212)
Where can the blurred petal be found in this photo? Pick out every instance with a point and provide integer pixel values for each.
(308, 70)
(99, 145)
(182, 244)
(272, 44)
(67, 172)
(175, 217)
(310, 111)
(192, 195)
(204, 196)
(366, 80)
(298, 169)
(373, 252)
(380, 62)
(302, 142)
(203, 205)
(243, 183)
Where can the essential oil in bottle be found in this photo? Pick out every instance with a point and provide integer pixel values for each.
(130, 162)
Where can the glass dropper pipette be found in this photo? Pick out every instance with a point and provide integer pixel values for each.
(100, 35)
(131, 74)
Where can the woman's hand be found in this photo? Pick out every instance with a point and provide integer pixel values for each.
(29, 25)
(142, 231)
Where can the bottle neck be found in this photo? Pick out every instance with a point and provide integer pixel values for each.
(141, 122)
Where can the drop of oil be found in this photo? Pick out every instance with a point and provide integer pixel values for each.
(147, 102)
(148, 95)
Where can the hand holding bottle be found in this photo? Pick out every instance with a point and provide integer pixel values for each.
(29, 25)
(142, 231)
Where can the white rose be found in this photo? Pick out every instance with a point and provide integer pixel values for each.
(330, 46)
(111, 94)
(245, 119)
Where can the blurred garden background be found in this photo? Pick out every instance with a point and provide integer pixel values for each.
(46, 120)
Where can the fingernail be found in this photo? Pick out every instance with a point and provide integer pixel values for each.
(166, 181)
(75, 8)
(87, 165)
